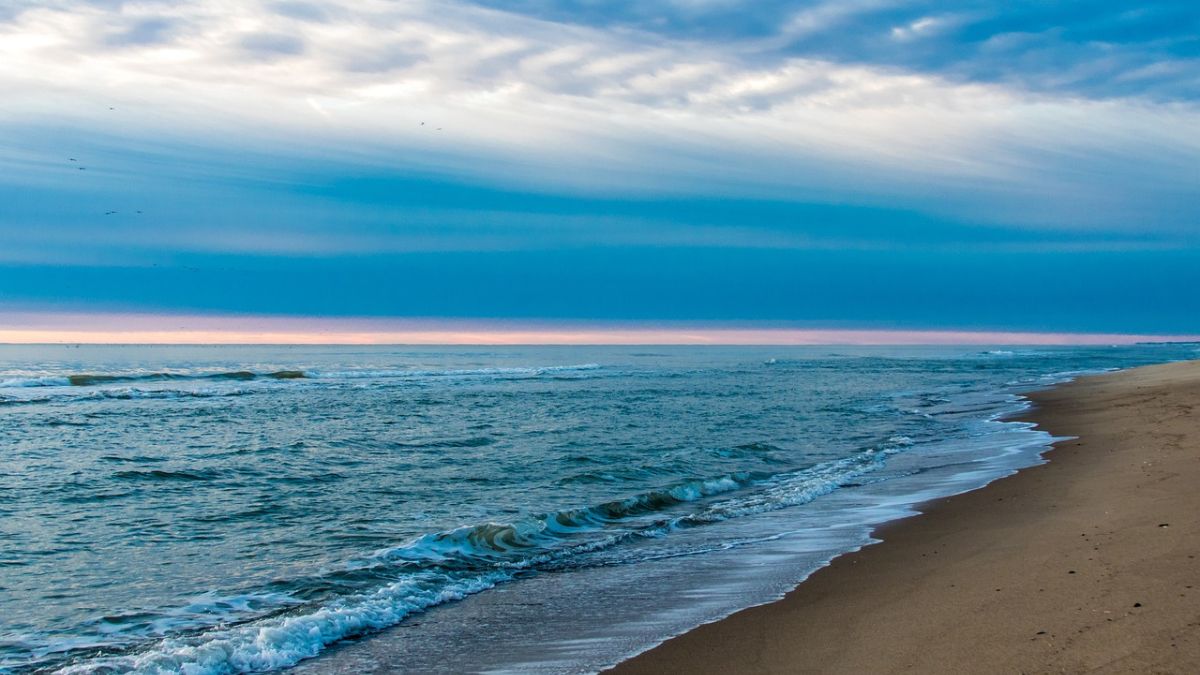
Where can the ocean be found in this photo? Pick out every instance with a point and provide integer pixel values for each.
(465, 509)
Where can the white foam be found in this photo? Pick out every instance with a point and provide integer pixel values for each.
(284, 641)
(43, 381)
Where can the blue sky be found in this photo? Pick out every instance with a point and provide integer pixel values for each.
(868, 163)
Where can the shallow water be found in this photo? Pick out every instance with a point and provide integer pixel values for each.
(234, 509)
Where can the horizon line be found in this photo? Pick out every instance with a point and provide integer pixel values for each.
(632, 338)
(119, 328)
(597, 344)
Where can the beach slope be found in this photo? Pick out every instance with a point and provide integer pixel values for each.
(1085, 564)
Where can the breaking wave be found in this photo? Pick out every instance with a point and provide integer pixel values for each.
(444, 566)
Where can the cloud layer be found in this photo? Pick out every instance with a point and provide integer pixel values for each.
(601, 102)
(1091, 49)
(150, 133)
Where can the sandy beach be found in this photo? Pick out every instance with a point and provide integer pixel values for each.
(1085, 564)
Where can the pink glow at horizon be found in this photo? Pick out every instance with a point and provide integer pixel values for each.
(27, 328)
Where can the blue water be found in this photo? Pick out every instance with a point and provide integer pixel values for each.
(241, 509)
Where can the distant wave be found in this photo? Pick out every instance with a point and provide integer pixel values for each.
(472, 442)
(160, 475)
(95, 380)
(89, 380)
(124, 394)
(532, 371)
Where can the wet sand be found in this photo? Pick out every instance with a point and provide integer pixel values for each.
(1086, 564)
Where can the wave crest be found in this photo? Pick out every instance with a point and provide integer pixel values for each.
(96, 380)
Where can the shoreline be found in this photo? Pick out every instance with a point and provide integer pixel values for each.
(1086, 563)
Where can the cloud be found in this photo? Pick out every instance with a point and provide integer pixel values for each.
(1039, 46)
(1031, 164)
(304, 11)
(757, 101)
(142, 32)
(271, 45)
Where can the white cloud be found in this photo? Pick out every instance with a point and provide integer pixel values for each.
(578, 108)
(826, 16)
(916, 29)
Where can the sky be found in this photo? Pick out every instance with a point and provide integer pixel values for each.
(1005, 168)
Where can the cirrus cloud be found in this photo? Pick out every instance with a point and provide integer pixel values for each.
(584, 105)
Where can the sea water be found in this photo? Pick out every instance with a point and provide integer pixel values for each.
(465, 509)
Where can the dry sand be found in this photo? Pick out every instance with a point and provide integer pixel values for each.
(1087, 564)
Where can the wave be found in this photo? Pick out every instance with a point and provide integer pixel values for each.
(90, 380)
(124, 394)
(136, 393)
(14, 400)
(509, 545)
(96, 380)
(472, 442)
(44, 381)
(160, 475)
(284, 641)
(441, 567)
(532, 371)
